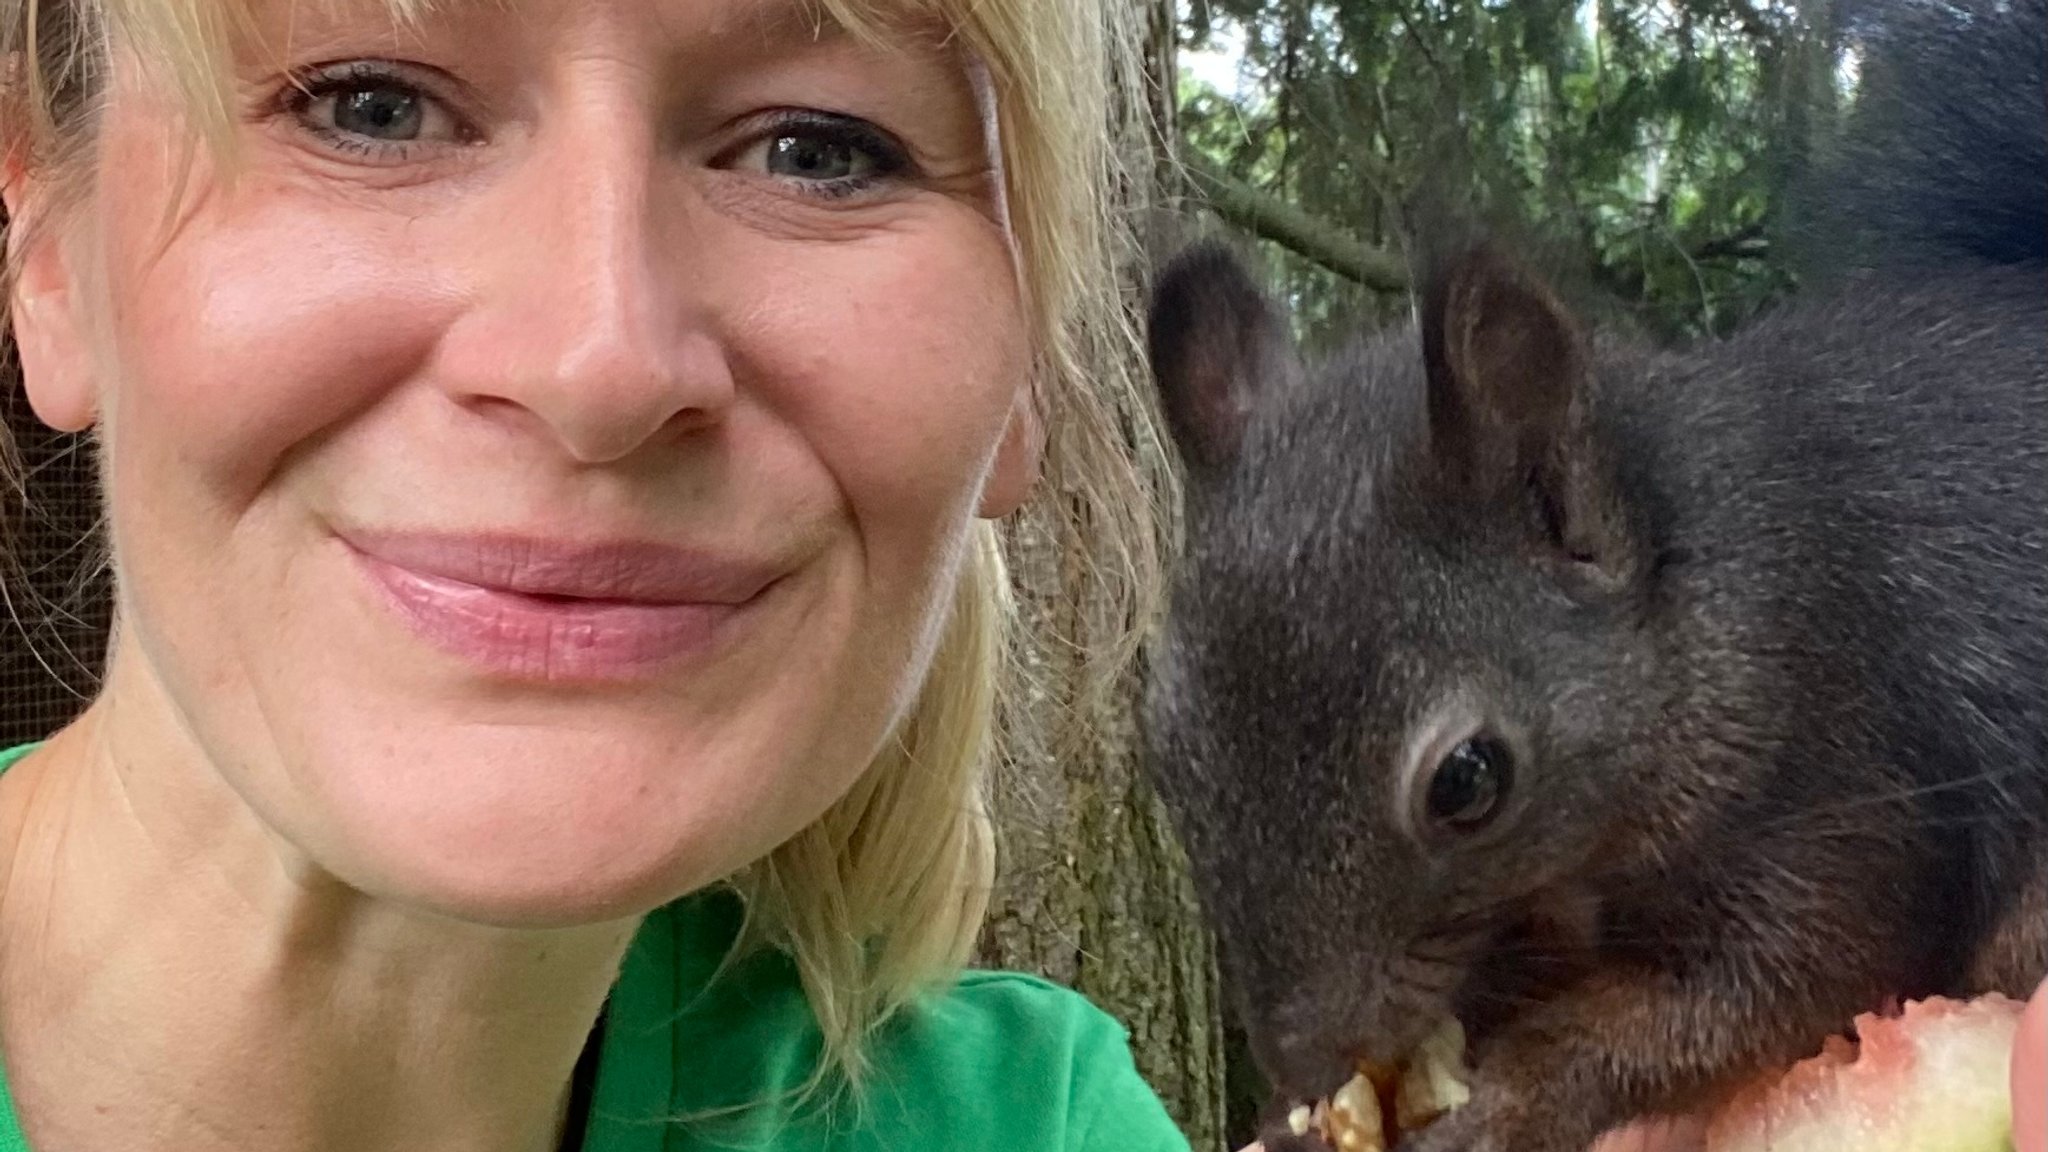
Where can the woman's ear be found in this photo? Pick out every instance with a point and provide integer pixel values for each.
(56, 356)
(1016, 468)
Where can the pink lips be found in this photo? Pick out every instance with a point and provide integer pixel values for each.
(545, 610)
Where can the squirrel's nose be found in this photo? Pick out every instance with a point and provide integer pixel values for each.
(1309, 1044)
(1315, 1039)
(1306, 1065)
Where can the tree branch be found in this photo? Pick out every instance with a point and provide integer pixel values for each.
(1272, 218)
(1750, 241)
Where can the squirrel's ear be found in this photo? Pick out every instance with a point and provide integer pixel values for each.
(1504, 360)
(1217, 346)
(1508, 391)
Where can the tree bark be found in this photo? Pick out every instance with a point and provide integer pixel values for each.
(1093, 890)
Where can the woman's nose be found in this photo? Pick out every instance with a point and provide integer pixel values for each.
(590, 321)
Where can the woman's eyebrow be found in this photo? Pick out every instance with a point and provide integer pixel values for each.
(791, 20)
(295, 24)
(757, 25)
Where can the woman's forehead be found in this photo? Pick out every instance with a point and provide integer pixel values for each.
(772, 19)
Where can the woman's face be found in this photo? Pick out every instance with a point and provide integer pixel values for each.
(538, 479)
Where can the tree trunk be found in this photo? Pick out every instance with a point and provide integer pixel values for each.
(1093, 891)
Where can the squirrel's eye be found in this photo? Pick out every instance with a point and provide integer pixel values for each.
(1470, 784)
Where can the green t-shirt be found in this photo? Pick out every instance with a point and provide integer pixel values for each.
(1001, 1061)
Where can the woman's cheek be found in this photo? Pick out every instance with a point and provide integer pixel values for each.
(902, 364)
(255, 335)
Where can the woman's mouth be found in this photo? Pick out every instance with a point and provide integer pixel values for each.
(539, 609)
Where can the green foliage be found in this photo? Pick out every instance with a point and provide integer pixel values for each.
(1639, 146)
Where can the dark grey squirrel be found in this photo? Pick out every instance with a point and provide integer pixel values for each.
(1653, 712)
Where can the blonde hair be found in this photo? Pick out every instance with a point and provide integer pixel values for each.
(883, 896)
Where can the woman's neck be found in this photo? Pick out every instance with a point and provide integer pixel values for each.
(172, 967)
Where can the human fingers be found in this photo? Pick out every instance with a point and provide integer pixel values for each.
(1681, 1135)
(1685, 1135)
(2030, 1076)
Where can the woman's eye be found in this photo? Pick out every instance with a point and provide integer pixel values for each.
(363, 107)
(383, 112)
(824, 153)
(816, 158)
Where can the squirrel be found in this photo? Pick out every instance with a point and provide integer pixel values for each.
(1651, 712)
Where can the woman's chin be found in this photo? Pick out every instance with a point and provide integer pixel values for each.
(575, 902)
(563, 881)
(544, 842)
